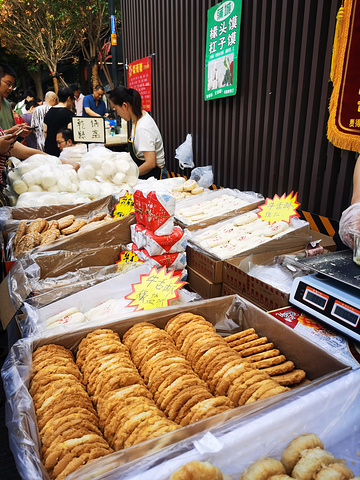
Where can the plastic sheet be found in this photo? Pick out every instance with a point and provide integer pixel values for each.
(279, 272)
(206, 202)
(184, 153)
(232, 428)
(90, 288)
(203, 176)
(108, 233)
(293, 237)
(116, 167)
(349, 222)
(43, 173)
(232, 448)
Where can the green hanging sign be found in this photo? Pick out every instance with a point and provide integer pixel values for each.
(222, 46)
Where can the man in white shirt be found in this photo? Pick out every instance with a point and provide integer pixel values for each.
(78, 99)
(37, 119)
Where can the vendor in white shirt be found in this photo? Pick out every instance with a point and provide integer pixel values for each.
(145, 143)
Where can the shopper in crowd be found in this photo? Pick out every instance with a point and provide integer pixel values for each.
(145, 143)
(37, 120)
(27, 117)
(78, 99)
(65, 138)
(20, 107)
(7, 85)
(17, 117)
(58, 117)
(94, 105)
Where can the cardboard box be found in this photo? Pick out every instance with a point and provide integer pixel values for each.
(114, 232)
(264, 295)
(206, 266)
(51, 265)
(11, 216)
(327, 242)
(202, 285)
(318, 364)
(254, 200)
(291, 241)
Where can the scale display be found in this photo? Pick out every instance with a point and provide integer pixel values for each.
(336, 305)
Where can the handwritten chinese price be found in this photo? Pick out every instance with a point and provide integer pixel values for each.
(155, 290)
(124, 207)
(279, 209)
(129, 257)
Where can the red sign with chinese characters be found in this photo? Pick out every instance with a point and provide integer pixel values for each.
(139, 78)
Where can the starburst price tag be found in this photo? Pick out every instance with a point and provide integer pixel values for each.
(155, 290)
(279, 208)
(125, 206)
(127, 257)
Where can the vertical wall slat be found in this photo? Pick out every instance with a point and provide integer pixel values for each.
(271, 136)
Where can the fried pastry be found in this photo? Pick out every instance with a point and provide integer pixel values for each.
(196, 470)
(292, 452)
(263, 469)
(74, 227)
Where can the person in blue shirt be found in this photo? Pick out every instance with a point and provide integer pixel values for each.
(94, 105)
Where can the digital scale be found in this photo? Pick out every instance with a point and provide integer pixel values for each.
(332, 293)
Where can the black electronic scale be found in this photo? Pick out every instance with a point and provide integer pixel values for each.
(332, 293)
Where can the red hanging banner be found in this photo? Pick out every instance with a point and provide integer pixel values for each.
(139, 78)
(344, 120)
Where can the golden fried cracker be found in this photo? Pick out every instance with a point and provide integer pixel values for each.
(279, 369)
(182, 397)
(263, 355)
(290, 378)
(252, 343)
(238, 335)
(269, 362)
(257, 349)
(195, 398)
(267, 385)
(244, 340)
(66, 221)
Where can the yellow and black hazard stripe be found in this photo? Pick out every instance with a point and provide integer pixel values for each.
(324, 225)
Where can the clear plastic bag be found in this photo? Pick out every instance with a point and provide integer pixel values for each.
(349, 222)
(203, 176)
(184, 153)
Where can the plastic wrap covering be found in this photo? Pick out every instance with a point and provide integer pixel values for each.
(250, 431)
(350, 224)
(232, 237)
(30, 199)
(74, 153)
(214, 206)
(232, 448)
(42, 173)
(113, 232)
(278, 272)
(11, 216)
(116, 167)
(96, 294)
(96, 189)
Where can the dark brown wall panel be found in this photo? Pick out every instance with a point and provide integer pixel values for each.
(271, 136)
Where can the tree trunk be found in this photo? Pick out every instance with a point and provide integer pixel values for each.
(36, 76)
(56, 85)
(95, 74)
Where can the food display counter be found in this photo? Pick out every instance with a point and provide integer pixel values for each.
(298, 386)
